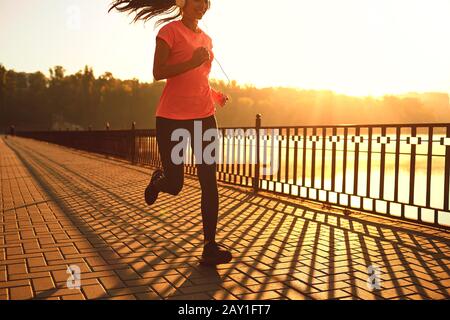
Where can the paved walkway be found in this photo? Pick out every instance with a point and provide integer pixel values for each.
(62, 207)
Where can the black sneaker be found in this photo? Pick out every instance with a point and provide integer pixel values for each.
(150, 193)
(214, 254)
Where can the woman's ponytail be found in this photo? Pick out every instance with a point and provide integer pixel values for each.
(148, 9)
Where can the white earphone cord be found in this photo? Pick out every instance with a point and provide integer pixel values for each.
(206, 27)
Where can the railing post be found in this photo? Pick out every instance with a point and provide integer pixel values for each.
(258, 163)
(133, 142)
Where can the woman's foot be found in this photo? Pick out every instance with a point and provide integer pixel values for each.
(151, 194)
(214, 254)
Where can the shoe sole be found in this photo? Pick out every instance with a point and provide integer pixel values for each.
(152, 200)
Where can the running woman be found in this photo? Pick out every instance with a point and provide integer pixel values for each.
(183, 56)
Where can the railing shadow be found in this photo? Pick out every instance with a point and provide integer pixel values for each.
(84, 228)
(289, 249)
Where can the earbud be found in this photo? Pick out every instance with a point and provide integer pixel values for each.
(180, 3)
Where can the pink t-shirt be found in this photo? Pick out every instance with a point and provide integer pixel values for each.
(187, 95)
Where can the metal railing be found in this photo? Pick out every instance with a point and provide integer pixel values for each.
(396, 170)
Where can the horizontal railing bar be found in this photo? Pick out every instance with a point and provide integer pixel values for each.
(395, 125)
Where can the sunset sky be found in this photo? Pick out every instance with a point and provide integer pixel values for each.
(356, 47)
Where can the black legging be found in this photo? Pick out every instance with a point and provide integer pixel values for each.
(173, 179)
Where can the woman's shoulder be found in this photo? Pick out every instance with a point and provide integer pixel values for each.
(172, 25)
(168, 28)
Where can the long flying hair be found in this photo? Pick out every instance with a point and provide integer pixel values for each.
(148, 9)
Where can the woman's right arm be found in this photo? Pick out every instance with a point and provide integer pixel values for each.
(162, 70)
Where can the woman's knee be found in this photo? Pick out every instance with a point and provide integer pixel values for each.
(176, 189)
(174, 186)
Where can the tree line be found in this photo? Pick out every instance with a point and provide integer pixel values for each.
(60, 101)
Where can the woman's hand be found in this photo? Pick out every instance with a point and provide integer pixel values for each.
(200, 55)
(219, 98)
(224, 99)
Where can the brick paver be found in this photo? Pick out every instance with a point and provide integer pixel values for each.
(62, 207)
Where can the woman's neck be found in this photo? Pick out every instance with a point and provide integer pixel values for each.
(191, 24)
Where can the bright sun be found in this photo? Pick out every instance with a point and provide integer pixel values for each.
(358, 47)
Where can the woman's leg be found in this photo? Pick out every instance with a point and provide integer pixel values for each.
(213, 253)
(208, 183)
(173, 179)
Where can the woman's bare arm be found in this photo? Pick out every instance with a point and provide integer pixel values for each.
(162, 70)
